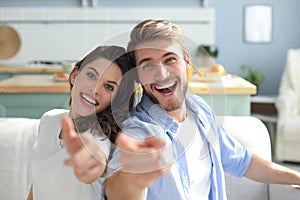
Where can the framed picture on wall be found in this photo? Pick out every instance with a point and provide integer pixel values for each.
(258, 23)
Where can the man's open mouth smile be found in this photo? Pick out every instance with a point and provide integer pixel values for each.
(166, 88)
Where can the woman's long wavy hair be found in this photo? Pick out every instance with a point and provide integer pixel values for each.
(104, 122)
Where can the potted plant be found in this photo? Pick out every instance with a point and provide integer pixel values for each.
(210, 50)
(207, 54)
(251, 75)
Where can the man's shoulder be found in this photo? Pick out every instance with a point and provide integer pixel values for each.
(196, 101)
(139, 128)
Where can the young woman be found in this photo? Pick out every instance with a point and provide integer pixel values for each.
(93, 81)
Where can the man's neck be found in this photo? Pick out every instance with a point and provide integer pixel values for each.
(178, 115)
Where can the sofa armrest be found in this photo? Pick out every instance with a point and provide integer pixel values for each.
(279, 192)
(17, 139)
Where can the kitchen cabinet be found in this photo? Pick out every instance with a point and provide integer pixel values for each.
(32, 95)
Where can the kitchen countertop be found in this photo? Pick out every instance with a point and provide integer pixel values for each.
(229, 84)
(15, 68)
(46, 84)
(33, 84)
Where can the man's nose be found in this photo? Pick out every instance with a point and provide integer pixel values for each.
(161, 71)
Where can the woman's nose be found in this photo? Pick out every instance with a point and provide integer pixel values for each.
(95, 89)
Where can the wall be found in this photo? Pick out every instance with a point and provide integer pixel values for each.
(268, 58)
(69, 33)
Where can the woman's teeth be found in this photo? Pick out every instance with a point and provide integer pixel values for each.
(88, 99)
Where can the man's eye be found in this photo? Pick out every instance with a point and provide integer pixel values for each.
(91, 76)
(171, 59)
(148, 65)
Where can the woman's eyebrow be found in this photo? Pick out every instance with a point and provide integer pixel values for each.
(92, 68)
(113, 82)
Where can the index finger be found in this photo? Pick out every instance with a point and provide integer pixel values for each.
(68, 130)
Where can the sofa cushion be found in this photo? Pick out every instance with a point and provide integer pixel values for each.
(18, 136)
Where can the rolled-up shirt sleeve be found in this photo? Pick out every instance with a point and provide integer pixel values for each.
(235, 157)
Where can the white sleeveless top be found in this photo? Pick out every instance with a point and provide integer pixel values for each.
(51, 178)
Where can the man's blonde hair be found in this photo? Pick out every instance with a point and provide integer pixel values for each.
(150, 30)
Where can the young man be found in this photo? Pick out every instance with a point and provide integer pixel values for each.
(187, 139)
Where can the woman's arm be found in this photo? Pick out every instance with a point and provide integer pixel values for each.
(86, 157)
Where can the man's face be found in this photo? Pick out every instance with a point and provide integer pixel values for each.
(162, 71)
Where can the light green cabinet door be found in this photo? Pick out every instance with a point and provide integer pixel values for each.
(31, 105)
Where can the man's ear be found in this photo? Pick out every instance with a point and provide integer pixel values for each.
(187, 61)
(73, 75)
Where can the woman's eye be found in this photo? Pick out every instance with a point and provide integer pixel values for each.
(91, 75)
(109, 87)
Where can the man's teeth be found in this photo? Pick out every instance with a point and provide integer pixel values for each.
(165, 86)
(88, 99)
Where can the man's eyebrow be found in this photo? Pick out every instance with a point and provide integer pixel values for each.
(169, 53)
(164, 55)
(143, 60)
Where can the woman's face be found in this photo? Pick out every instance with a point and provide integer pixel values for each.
(94, 86)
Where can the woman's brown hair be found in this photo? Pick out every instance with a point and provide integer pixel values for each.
(106, 122)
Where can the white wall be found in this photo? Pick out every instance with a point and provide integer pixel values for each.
(70, 33)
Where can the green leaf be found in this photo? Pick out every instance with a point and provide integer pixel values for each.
(251, 75)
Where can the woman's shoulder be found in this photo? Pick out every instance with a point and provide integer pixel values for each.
(53, 117)
(55, 112)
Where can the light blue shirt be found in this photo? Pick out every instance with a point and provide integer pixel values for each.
(226, 153)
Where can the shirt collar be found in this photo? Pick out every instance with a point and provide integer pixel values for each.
(158, 114)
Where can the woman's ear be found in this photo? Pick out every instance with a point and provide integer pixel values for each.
(73, 75)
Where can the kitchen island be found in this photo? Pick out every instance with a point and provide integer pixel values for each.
(32, 95)
(10, 70)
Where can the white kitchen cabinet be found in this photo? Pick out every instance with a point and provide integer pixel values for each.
(69, 33)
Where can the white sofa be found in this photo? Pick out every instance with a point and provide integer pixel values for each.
(17, 144)
(17, 138)
(288, 108)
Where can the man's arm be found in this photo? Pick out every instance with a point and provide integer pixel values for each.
(268, 172)
(30, 195)
(141, 165)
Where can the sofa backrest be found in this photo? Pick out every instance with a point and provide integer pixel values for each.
(17, 147)
(251, 133)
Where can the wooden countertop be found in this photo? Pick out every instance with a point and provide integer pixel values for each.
(222, 85)
(46, 84)
(30, 69)
(33, 84)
